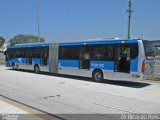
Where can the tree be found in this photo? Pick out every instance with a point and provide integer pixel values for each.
(22, 38)
(2, 40)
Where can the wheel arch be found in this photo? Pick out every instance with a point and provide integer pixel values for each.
(35, 68)
(98, 69)
(13, 63)
(36, 65)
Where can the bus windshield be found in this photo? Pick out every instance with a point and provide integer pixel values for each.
(149, 50)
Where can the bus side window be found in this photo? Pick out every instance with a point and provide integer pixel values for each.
(69, 52)
(98, 52)
(36, 53)
(43, 54)
(46, 52)
(29, 53)
(21, 53)
(134, 50)
(61, 52)
(25, 53)
(14, 53)
(102, 52)
(109, 52)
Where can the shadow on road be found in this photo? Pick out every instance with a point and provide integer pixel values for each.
(131, 84)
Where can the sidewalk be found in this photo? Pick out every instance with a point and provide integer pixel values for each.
(10, 110)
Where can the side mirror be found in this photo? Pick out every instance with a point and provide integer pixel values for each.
(5, 52)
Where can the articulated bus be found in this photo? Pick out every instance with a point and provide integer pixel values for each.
(113, 59)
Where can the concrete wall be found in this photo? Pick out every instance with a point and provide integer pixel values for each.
(2, 58)
(157, 69)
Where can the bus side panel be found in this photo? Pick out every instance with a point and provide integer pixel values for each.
(35, 61)
(13, 60)
(21, 62)
(71, 67)
(134, 65)
(68, 63)
(141, 58)
(106, 66)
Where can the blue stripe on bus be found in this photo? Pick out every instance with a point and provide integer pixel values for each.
(30, 45)
(134, 65)
(14, 60)
(17, 60)
(98, 42)
(106, 65)
(23, 60)
(68, 63)
(36, 60)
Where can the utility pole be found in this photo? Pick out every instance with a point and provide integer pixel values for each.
(129, 12)
(38, 27)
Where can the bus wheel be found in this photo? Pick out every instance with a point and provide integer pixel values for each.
(97, 76)
(13, 66)
(36, 69)
(17, 67)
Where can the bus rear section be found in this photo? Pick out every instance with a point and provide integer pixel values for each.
(126, 58)
(148, 59)
(134, 61)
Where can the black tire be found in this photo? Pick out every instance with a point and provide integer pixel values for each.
(17, 67)
(13, 66)
(36, 69)
(97, 76)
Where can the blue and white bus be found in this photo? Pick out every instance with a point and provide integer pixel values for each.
(113, 59)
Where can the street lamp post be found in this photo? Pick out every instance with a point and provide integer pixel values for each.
(129, 11)
(38, 26)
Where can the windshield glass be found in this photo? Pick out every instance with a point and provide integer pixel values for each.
(149, 50)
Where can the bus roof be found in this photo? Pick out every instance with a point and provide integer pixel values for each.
(29, 45)
(101, 41)
(89, 42)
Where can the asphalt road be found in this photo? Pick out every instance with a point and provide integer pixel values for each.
(68, 97)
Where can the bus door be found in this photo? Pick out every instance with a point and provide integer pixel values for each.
(85, 54)
(29, 56)
(43, 55)
(122, 58)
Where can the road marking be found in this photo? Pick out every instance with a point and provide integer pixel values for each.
(117, 108)
(22, 108)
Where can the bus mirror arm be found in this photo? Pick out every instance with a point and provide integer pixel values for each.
(4, 52)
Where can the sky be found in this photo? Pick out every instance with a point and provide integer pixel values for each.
(77, 20)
